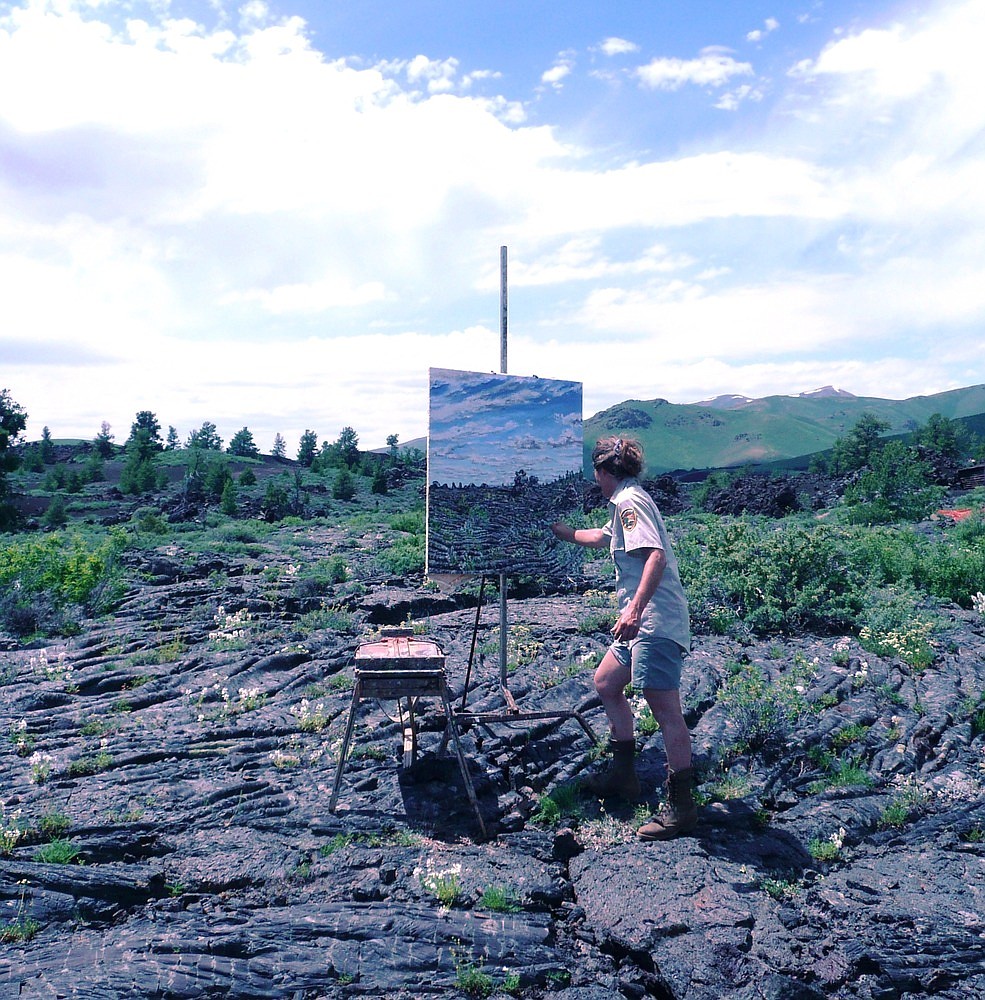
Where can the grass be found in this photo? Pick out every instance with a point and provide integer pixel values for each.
(500, 899)
(57, 852)
(54, 825)
(910, 800)
(19, 931)
(563, 801)
(842, 772)
(853, 733)
(395, 838)
(92, 764)
(732, 785)
(779, 889)
(473, 981)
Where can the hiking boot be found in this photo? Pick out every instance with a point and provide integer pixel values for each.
(679, 814)
(619, 778)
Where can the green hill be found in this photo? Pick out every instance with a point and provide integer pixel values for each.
(734, 431)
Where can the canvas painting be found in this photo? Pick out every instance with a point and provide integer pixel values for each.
(504, 463)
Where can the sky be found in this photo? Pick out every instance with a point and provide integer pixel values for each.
(282, 214)
(484, 427)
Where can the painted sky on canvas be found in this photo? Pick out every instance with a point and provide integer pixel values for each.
(282, 214)
(486, 427)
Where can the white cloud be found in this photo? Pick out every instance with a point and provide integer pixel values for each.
(562, 68)
(250, 231)
(732, 100)
(617, 47)
(437, 75)
(941, 50)
(582, 259)
(712, 68)
(769, 26)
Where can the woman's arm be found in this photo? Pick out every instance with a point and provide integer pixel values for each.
(628, 625)
(591, 538)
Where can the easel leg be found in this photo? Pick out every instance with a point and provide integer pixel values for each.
(452, 725)
(347, 739)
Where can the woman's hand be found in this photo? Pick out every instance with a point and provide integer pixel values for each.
(627, 625)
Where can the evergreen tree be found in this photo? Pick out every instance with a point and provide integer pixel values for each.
(173, 444)
(147, 422)
(31, 458)
(228, 504)
(206, 438)
(47, 447)
(945, 445)
(215, 477)
(139, 474)
(895, 486)
(103, 441)
(852, 452)
(94, 467)
(279, 449)
(344, 487)
(13, 420)
(307, 448)
(56, 516)
(242, 444)
(275, 501)
(347, 446)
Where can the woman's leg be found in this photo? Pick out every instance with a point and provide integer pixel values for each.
(611, 678)
(666, 708)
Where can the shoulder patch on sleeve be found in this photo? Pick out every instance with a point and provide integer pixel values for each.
(628, 518)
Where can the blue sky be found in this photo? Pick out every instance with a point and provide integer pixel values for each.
(283, 214)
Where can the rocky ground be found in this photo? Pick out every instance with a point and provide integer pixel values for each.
(166, 832)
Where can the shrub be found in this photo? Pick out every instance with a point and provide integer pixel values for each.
(276, 503)
(896, 486)
(404, 557)
(56, 516)
(898, 624)
(411, 521)
(326, 572)
(327, 617)
(40, 577)
(774, 577)
(344, 487)
(761, 710)
(20, 930)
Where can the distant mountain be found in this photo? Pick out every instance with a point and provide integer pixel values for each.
(826, 392)
(734, 430)
(731, 401)
(727, 402)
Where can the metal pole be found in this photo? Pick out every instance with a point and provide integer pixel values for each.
(502, 310)
(503, 326)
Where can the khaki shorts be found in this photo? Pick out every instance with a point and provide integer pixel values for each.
(656, 662)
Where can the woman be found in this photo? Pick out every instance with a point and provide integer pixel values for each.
(652, 635)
